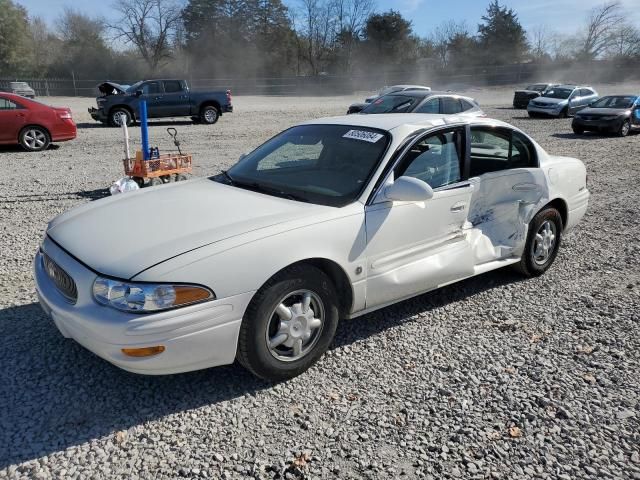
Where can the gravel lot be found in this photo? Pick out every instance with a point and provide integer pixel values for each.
(494, 377)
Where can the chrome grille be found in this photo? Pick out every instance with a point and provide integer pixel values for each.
(61, 279)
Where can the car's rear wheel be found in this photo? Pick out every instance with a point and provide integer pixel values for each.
(543, 242)
(289, 324)
(209, 115)
(34, 139)
(119, 115)
(624, 128)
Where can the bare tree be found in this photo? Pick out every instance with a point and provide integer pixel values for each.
(601, 25)
(625, 41)
(148, 25)
(540, 40)
(443, 36)
(351, 16)
(318, 29)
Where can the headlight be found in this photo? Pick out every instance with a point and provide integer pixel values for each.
(147, 297)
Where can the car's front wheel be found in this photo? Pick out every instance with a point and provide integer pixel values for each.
(624, 128)
(543, 242)
(578, 130)
(119, 115)
(289, 324)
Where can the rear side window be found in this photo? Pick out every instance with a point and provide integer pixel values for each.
(172, 86)
(466, 105)
(493, 150)
(450, 105)
(391, 104)
(8, 104)
(585, 92)
(432, 105)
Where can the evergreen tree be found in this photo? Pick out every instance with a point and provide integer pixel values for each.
(502, 39)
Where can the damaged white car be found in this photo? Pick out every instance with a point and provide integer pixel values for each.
(329, 219)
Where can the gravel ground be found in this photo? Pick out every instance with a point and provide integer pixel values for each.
(494, 377)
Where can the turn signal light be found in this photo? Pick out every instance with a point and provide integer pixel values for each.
(186, 294)
(143, 352)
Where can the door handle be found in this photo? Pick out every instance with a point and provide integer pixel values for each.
(459, 207)
(525, 187)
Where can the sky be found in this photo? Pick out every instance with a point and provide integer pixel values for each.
(564, 16)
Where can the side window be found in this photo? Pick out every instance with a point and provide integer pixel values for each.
(7, 104)
(434, 160)
(495, 150)
(432, 105)
(172, 86)
(466, 105)
(151, 88)
(450, 105)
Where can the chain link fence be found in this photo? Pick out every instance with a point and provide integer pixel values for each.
(584, 73)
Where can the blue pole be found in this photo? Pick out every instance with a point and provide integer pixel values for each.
(144, 128)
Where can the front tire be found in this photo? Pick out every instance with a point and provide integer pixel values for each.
(564, 113)
(543, 242)
(289, 324)
(34, 139)
(578, 130)
(118, 115)
(624, 128)
(209, 115)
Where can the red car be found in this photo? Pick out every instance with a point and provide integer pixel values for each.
(32, 124)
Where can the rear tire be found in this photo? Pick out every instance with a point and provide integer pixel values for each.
(279, 337)
(34, 139)
(543, 242)
(209, 115)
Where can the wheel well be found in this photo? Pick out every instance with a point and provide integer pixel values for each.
(562, 208)
(31, 126)
(338, 277)
(123, 107)
(211, 103)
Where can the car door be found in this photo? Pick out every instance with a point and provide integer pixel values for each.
(503, 168)
(574, 102)
(12, 118)
(153, 95)
(413, 247)
(175, 101)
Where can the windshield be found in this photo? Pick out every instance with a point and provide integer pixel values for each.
(390, 104)
(621, 101)
(558, 93)
(133, 88)
(388, 90)
(19, 85)
(323, 164)
(536, 88)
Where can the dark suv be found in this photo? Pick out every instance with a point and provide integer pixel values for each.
(521, 98)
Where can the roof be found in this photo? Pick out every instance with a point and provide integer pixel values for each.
(391, 121)
(427, 93)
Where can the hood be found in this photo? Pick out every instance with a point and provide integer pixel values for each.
(550, 101)
(604, 111)
(528, 92)
(122, 235)
(111, 88)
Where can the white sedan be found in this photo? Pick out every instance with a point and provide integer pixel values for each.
(330, 219)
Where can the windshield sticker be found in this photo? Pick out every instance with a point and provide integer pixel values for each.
(363, 135)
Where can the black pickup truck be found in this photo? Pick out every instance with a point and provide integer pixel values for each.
(165, 98)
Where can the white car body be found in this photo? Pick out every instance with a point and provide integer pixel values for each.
(233, 241)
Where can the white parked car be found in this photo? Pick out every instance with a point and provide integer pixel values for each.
(329, 219)
(357, 107)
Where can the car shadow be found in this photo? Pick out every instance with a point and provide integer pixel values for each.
(152, 123)
(18, 149)
(54, 394)
(584, 136)
(46, 197)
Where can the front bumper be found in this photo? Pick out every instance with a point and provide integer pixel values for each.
(97, 114)
(553, 112)
(194, 337)
(599, 124)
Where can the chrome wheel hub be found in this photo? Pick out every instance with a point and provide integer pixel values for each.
(34, 139)
(544, 242)
(210, 115)
(295, 325)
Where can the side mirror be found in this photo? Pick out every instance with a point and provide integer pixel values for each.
(139, 93)
(408, 189)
